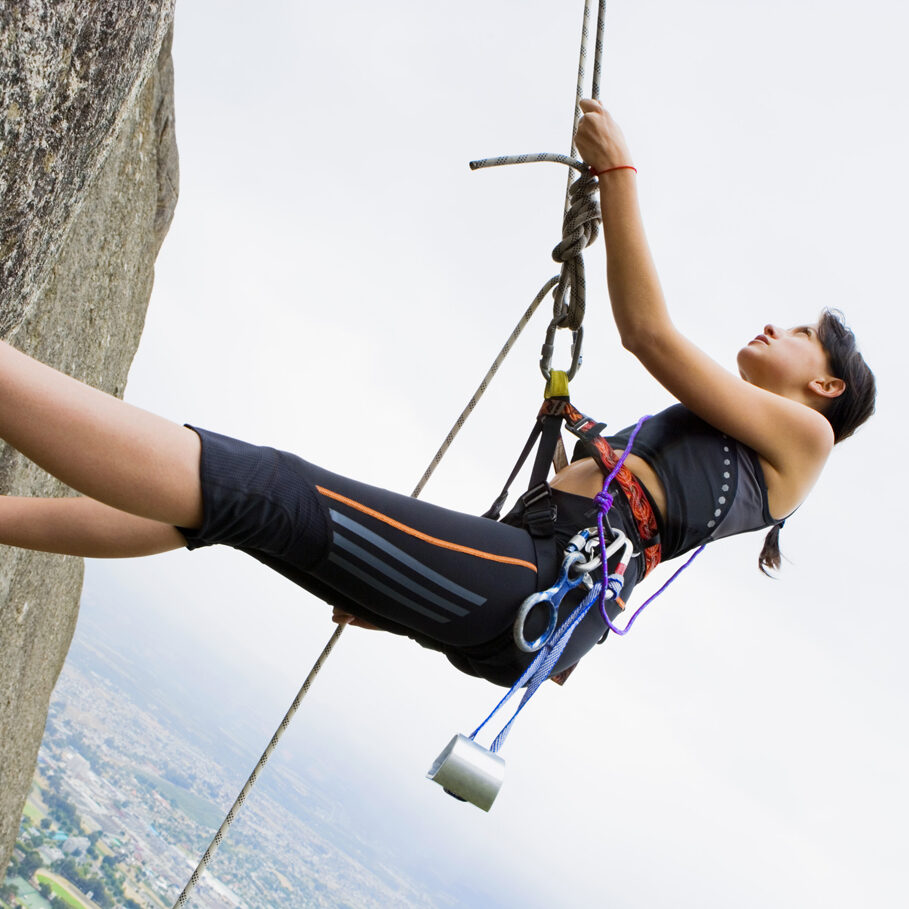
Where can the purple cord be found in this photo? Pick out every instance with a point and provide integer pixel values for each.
(604, 502)
(650, 599)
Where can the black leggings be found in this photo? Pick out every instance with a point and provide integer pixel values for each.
(451, 581)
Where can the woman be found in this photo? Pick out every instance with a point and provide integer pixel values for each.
(738, 453)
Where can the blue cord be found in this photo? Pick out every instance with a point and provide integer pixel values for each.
(541, 667)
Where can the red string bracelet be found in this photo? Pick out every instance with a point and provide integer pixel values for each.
(596, 173)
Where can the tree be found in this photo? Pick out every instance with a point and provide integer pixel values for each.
(63, 811)
(67, 868)
(30, 864)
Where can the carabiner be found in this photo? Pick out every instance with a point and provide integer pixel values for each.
(574, 557)
(574, 572)
(548, 348)
(590, 549)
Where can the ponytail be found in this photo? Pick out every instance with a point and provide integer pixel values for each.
(845, 413)
(770, 556)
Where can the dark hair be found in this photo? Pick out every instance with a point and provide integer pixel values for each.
(845, 413)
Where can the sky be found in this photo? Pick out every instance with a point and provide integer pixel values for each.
(336, 282)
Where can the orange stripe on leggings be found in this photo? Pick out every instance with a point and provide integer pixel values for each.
(435, 541)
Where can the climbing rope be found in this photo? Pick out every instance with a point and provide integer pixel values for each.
(247, 786)
(580, 227)
(481, 388)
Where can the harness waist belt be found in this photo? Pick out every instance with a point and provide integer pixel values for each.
(588, 430)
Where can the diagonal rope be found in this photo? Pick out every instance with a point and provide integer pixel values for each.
(484, 384)
(247, 786)
(579, 229)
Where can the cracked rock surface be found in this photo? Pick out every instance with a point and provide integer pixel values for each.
(88, 180)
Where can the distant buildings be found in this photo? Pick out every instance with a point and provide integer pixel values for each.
(76, 845)
(49, 854)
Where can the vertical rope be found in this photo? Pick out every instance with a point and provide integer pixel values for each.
(598, 52)
(582, 72)
(578, 92)
(521, 159)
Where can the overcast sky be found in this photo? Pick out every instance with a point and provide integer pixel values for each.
(336, 281)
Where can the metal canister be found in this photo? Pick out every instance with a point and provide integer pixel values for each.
(469, 772)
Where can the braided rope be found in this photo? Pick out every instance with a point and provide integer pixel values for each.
(582, 211)
(247, 786)
(582, 67)
(580, 227)
(484, 384)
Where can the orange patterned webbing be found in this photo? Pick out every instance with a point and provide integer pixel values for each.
(584, 428)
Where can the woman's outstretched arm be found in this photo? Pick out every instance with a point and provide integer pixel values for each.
(81, 526)
(793, 439)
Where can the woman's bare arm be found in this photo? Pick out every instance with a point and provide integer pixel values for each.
(791, 437)
(81, 526)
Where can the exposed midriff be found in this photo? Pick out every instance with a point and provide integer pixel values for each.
(584, 478)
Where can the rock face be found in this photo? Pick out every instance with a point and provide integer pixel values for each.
(88, 185)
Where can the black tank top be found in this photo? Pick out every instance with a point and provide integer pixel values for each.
(714, 485)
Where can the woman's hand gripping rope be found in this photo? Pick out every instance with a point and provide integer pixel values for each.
(600, 141)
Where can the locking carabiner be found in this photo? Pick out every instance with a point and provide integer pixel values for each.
(548, 348)
(576, 556)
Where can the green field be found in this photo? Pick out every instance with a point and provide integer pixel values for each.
(61, 892)
(33, 813)
(193, 806)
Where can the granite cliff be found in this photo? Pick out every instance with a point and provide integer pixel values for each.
(88, 183)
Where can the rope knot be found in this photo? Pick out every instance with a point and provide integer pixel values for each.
(580, 227)
(603, 500)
